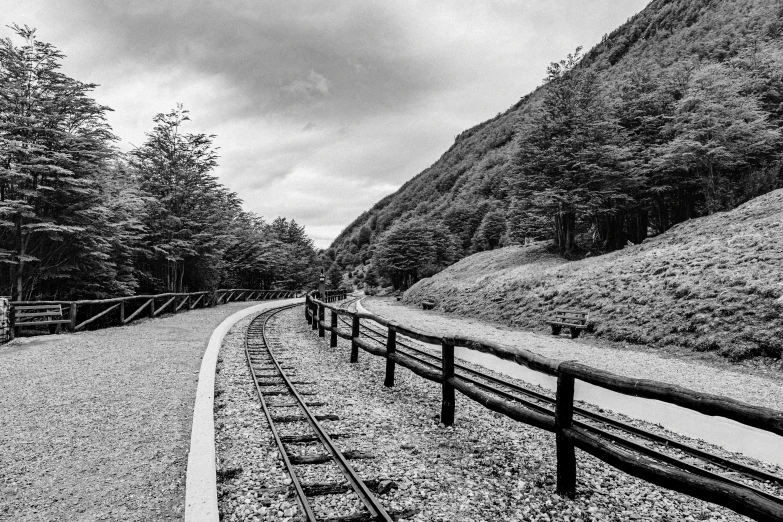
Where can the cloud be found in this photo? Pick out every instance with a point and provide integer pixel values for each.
(320, 108)
(314, 85)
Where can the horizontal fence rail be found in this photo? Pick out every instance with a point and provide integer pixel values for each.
(119, 311)
(647, 464)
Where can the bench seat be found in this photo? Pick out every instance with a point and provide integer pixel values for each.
(575, 320)
(39, 315)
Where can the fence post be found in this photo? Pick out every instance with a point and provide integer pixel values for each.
(122, 312)
(152, 307)
(354, 336)
(11, 322)
(333, 338)
(321, 332)
(447, 405)
(314, 316)
(391, 348)
(564, 414)
(72, 315)
(307, 309)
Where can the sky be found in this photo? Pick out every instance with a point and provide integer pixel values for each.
(320, 108)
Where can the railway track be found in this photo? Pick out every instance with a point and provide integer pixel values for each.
(284, 404)
(659, 447)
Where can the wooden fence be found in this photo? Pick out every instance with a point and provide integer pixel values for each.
(120, 311)
(679, 477)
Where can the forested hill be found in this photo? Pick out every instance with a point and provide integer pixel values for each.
(674, 115)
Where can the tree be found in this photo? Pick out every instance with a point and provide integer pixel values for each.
(188, 207)
(490, 232)
(411, 249)
(371, 277)
(334, 276)
(571, 151)
(54, 141)
(719, 129)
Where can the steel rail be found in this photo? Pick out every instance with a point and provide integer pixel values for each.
(357, 484)
(301, 499)
(722, 462)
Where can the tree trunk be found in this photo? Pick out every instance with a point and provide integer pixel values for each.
(17, 293)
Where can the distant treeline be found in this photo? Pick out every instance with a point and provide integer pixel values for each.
(675, 115)
(79, 219)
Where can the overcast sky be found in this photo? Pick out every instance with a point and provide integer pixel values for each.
(320, 108)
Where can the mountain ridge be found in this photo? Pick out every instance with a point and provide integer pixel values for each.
(470, 179)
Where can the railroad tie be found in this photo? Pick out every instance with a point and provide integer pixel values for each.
(295, 404)
(379, 486)
(325, 457)
(286, 392)
(302, 418)
(293, 439)
(366, 517)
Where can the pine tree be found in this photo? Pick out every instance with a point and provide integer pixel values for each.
(719, 128)
(54, 142)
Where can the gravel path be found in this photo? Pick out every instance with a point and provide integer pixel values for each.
(96, 425)
(484, 468)
(754, 386)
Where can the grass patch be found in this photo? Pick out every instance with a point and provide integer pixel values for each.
(713, 284)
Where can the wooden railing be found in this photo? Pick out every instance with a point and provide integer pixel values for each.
(677, 476)
(331, 296)
(120, 311)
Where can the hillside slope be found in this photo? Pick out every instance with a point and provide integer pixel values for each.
(709, 284)
(472, 177)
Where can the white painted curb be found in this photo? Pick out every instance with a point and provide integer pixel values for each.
(201, 503)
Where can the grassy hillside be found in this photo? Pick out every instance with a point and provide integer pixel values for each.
(473, 176)
(709, 284)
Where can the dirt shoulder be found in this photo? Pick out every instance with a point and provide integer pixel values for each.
(752, 385)
(96, 425)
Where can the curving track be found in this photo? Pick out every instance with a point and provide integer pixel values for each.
(270, 377)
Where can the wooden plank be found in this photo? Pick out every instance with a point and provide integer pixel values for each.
(25, 315)
(333, 329)
(564, 417)
(422, 370)
(90, 320)
(139, 310)
(370, 347)
(737, 498)
(520, 356)
(186, 300)
(164, 306)
(708, 404)
(192, 306)
(413, 333)
(391, 348)
(51, 308)
(72, 315)
(37, 323)
(447, 388)
(355, 339)
(11, 322)
(570, 325)
(510, 409)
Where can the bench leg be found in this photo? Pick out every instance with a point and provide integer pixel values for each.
(556, 330)
(575, 333)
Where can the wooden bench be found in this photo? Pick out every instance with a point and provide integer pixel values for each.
(428, 304)
(576, 320)
(39, 315)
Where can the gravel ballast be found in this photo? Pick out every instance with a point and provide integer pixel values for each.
(484, 468)
(96, 425)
